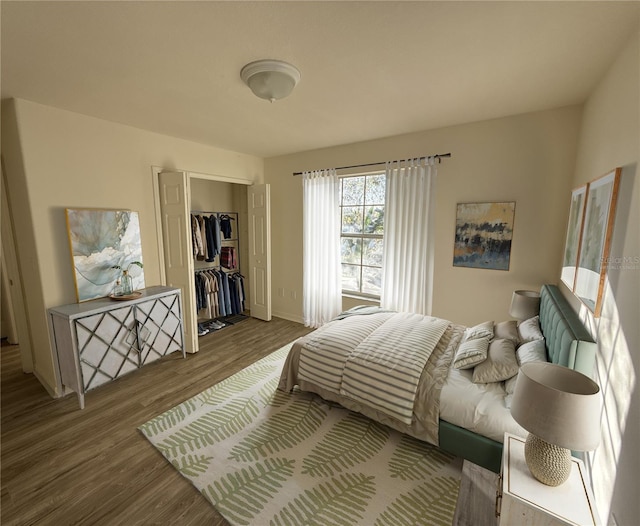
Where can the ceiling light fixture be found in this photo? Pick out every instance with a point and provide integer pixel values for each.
(270, 79)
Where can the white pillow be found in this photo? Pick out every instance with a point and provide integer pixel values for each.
(482, 330)
(509, 398)
(510, 385)
(529, 330)
(471, 353)
(501, 363)
(534, 351)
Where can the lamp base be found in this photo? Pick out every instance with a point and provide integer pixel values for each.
(548, 463)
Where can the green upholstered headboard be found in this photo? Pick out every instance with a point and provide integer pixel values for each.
(568, 341)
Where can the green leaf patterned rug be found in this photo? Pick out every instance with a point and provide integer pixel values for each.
(261, 456)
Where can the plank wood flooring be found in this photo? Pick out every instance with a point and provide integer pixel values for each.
(62, 465)
(66, 466)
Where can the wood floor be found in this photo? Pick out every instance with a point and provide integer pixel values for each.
(63, 466)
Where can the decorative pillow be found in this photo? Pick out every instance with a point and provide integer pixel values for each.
(534, 351)
(529, 330)
(471, 353)
(510, 384)
(507, 330)
(501, 363)
(509, 398)
(482, 330)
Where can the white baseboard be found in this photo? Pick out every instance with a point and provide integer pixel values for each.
(287, 316)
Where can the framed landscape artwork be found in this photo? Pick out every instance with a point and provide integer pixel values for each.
(483, 235)
(572, 241)
(599, 214)
(101, 240)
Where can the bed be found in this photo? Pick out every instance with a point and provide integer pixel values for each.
(437, 413)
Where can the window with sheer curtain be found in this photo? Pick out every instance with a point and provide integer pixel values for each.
(369, 235)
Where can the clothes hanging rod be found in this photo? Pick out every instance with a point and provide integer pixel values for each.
(212, 212)
(438, 156)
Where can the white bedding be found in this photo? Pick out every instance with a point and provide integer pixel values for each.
(477, 407)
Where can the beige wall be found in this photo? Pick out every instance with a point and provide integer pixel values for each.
(56, 159)
(527, 158)
(610, 137)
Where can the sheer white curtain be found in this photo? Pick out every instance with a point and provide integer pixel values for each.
(407, 261)
(322, 278)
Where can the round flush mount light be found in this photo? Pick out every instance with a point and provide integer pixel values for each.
(270, 79)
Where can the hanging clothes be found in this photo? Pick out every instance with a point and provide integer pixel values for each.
(229, 258)
(237, 281)
(219, 293)
(203, 234)
(215, 227)
(225, 225)
(196, 236)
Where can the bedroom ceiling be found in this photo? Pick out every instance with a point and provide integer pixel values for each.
(369, 69)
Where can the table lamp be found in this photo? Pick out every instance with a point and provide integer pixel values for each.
(525, 304)
(560, 408)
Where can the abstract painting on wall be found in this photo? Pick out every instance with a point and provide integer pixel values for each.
(483, 235)
(101, 240)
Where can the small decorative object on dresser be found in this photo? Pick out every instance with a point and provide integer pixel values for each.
(522, 500)
(124, 285)
(98, 341)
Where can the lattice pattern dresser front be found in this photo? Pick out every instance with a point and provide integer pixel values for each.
(100, 340)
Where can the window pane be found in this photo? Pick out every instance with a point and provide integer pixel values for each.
(351, 250)
(351, 277)
(371, 280)
(374, 220)
(353, 190)
(372, 253)
(352, 220)
(375, 189)
(362, 209)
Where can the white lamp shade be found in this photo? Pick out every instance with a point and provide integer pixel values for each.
(525, 304)
(558, 405)
(270, 79)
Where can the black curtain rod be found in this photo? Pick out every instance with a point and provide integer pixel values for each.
(438, 156)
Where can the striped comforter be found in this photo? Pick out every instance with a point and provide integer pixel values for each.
(375, 359)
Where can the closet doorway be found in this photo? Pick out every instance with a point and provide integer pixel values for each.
(178, 194)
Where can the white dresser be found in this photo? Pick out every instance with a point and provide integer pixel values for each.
(524, 501)
(97, 341)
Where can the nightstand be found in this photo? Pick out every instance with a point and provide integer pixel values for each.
(524, 501)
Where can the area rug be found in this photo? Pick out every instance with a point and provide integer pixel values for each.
(261, 456)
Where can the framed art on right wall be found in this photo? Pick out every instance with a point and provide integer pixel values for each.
(598, 211)
(572, 242)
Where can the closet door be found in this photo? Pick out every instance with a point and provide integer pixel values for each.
(260, 250)
(176, 236)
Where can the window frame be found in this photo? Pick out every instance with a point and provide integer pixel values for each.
(361, 236)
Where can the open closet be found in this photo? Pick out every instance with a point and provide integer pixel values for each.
(214, 237)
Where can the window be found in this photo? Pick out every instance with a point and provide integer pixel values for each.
(362, 233)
